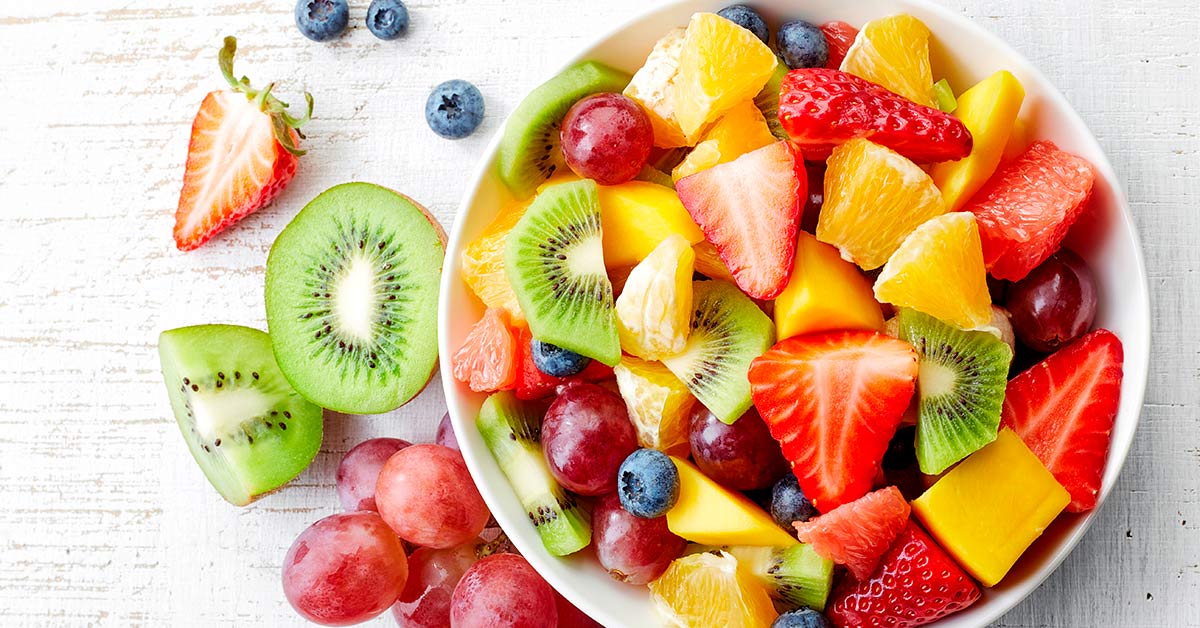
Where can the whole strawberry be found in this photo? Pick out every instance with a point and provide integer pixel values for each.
(243, 152)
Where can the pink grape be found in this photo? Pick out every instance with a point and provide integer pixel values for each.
(503, 591)
(585, 436)
(445, 434)
(1054, 304)
(634, 550)
(425, 493)
(359, 470)
(742, 456)
(607, 137)
(432, 576)
(344, 569)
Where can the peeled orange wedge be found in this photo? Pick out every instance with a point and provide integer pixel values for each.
(654, 311)
(483, 262)
(659, 404)
(741, 130)
(708, 589)
(894, 52)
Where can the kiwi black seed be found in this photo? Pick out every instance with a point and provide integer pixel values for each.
(796, 576)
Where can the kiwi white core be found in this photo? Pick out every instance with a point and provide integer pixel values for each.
(936, 380)
(219, 412)
(587, 258)
(355, 302)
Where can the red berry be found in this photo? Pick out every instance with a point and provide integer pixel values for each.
(607, 137)
(840, 36)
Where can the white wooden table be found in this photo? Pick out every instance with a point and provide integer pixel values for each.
(105, 519)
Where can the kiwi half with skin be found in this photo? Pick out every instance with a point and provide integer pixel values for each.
(796, 575)
(512, 431)
(727, 331)
(530, 151)
(249, 431)
(767, 101)
(554, 258)
(352, 284)
(962, 378)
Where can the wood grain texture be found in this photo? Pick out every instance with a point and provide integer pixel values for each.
(104, 518)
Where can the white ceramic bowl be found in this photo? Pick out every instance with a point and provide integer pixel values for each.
(1105, 237)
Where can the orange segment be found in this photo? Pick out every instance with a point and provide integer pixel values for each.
(939, 271)
(659, 404)
(894, 52)
(653, 87)
(483, 262)
(708, 589)
(741, 130)
(874, 197)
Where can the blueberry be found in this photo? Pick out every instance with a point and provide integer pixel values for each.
(801, 618)
(647, 483)
(788, 503)
(387, 19)
(748, 19)
(322, 20)
(802, 45)
(556, 361)
(454, 109)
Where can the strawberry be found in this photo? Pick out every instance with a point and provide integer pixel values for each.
(833, 400)
(840, 37)
(749, 208)
(1064, 407)
(857, 534)
(241, 155)
(534, 384)
(822, 108)
(916, 583)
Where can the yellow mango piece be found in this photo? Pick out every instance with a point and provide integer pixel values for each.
(1018, 141)
(654, 311)
(659, 404)
(653, 87)
(710, 514)
(988, 110)
(741, 130)
(636, 216)
(483, 262)
(824, 293)
(991, 507)
(721, 64)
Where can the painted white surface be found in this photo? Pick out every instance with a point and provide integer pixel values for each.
(104, 519)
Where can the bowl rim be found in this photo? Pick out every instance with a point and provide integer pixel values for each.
(1118, 452)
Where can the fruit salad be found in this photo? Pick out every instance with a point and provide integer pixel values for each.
(776, 329)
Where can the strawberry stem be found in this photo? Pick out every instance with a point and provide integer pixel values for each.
(283, 123)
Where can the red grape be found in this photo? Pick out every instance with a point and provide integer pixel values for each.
(426, 495)
(586, 435)
(445, 434)
(503, 591)
(359, 470)
(607, 137)
(1054, 304)
(344, 569)
(432, 576)
(742, 456)
(634, 550)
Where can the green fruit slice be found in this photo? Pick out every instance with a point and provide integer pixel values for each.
(796, 575)
(767, 101)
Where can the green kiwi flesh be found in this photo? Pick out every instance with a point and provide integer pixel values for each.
(554, 258)
(650, 174)
(249, 431)
(796, 575)
(727, 331)
(530, 151)
(512, 429)
(767, 101)
(352, 284)
(962, 378)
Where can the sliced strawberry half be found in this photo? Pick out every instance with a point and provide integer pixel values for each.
(241, 155)
(534, 384)
(1064, 410)
(857, 534)
(822, 109)
(833, 401)
(749, 209)
(840, 37)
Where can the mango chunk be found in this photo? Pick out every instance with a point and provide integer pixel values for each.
(741, 130)
(991, 507)
(710, 514)
(824, 293)
(636, 217)
(988, 110)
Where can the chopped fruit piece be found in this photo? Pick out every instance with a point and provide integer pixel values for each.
(607, 138)
(840, 36)
(939, 271)
(708, 262)
(1027, 207)
(825, 293)
(654, 311)
(987, 510)
(658, 403)
(796, 575)
(709, 514)
(721, 65)
(1018, 141)
(988, 110)
(767, 101)
(894, 52)
(874, 198)
(637, 216)
(822, 108)
(916, 583)
(944, 96)
(1064, 409)
(709, 589)
(483, 262)
(858, 533)
(833, 401)
(741, 130)
(650, 174)
(653, 87)
(562, 176)
(532, 383)
(750, 209)
(487, 360)
(1054, 304)
(963, 374)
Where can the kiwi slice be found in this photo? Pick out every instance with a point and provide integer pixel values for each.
(512, 430)
(796, 575)
(728, 331)
(554, 258)
(767, 101)
(249, 431)
(961, 380)
(352, 284)
(530, 151)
